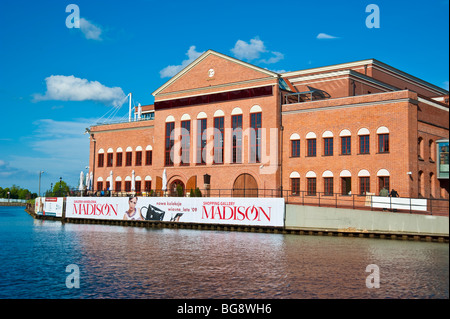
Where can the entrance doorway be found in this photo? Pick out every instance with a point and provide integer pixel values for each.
(177, 188)
(245, 186)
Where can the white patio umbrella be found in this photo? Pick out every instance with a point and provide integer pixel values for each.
(81, 186)
(164, 180)
(111, 181)
(88, 181)
(133, 183)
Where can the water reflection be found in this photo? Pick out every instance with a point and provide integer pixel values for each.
(180, 263)
(127, 262)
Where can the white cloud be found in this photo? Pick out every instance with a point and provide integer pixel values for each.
(248, 51)
(325, 36)
(171, 70)
(254, 50)
(277, 57)
(71, 88)
(90, 30)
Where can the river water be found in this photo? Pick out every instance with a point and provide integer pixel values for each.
(134, 263)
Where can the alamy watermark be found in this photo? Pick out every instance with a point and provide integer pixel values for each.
(73, 19)
(373, 280)
(214, 146)
(73, 279)
(373, 19)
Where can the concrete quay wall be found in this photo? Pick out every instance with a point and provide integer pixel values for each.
(363, 221)
(310, 220)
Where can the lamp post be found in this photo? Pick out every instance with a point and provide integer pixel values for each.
(40, 173)
(60, 180)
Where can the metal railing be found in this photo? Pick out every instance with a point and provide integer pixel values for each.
(12, 200)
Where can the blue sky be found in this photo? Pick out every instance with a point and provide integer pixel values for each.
(55, 81)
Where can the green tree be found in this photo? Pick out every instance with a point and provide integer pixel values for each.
(15, 192)
(179, 191)
(60, 189)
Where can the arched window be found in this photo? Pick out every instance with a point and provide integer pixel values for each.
(295, 183)
(383, 179)
(328, 183)
(421, 184)
(311, 183)
(255, 134)
(420, 149)
(364, 182)
(432, 185)
(364, 141)
(346, 142)
(432, 150)
(219, 135)
(346, 182)
(295, 145)
(383, 139)
(201, 138)
(311, 144)
(327, 143)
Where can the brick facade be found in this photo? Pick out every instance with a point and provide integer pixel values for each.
(364, 98)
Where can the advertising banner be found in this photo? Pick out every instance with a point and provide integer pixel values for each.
(49, 206)
(232, 211)
(39, 205)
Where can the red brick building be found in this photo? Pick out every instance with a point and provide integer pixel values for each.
(343, 129)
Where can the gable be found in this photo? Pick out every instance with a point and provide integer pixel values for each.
(213, 69)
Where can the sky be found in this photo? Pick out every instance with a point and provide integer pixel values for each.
(60, 75)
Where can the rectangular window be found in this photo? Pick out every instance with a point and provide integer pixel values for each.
(383, 143)
(168, 144)
(137, 185)
(99, 186)
(148, 157)
(346, 185)
(311, 186)
(185, 142)
(109, 159)
(346, 145)
(311, 147)
(236, 122)
(119, 159)
(100, 160)
(128, 158)
(118, 186)
(148, 186)
(295, 148)
(364, 144)
(201, 141)
(364, 185)
(218, 139)
(328, 186)
(328, 146)
(255, 137)
(138, 158)
(295, 186)
(383, 183)
(128, 186)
